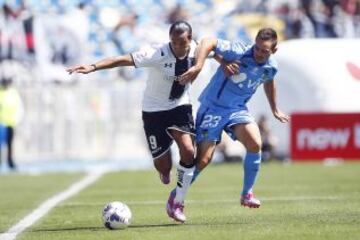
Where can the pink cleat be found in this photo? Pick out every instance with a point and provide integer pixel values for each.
(175, 210)
(165, 178)
(250, 201)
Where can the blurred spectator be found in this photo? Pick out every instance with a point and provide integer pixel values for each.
(129, 21)
(268, 140)
(177, 14)
(11, 110)
(357, 19)
(16, 28)
(258, 6)
(11, 12)
(324, 20)
(347, 18)
(303, 19)
(297, 24)
(320, 19)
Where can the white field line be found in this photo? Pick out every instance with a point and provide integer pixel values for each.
(50, 203)
(264, 199)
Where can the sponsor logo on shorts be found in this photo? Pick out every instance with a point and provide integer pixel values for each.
(205, 134)
(156, 150)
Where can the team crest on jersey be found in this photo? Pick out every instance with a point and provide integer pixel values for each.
(265, 75)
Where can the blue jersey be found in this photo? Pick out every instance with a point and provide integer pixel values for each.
(235, 91)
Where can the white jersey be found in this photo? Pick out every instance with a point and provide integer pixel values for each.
(163, 74)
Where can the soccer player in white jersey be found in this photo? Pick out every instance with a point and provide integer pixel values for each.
(166, 107)
(223, 101)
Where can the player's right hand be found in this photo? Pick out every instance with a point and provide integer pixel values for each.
(85, 69)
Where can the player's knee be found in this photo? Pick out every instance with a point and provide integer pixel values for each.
(187, 153)
(254, 146)
(163, 164)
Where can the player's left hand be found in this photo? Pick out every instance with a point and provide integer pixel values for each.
(282, 117)
(231, 68)
(189, 76)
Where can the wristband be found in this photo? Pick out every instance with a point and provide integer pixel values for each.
(94, 66)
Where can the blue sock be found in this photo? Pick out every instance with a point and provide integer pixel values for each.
(196, 174)
(251, 168)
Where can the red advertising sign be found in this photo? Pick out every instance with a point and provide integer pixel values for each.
(315, 136)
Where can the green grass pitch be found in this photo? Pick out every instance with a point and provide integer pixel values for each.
(299, 201)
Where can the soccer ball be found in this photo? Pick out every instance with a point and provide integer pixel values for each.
(116, 215)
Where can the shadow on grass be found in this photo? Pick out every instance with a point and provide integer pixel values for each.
(67, 229)
(101, 228)
(154, 225)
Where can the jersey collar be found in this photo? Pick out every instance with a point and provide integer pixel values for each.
(172, 52)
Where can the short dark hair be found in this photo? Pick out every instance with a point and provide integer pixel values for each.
(179, 27)
(265, 34)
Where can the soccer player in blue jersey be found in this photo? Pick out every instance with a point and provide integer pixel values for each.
(223, 101)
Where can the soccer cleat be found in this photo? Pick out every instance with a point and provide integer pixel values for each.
(178, 212)
(175, 210)
(250, 201)
(170, 203)
(165, 178)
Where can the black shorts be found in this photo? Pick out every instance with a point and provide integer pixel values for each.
(158, 124)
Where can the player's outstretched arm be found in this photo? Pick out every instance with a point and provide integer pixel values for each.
(111, 62)
(204, 48)
(270, 91)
